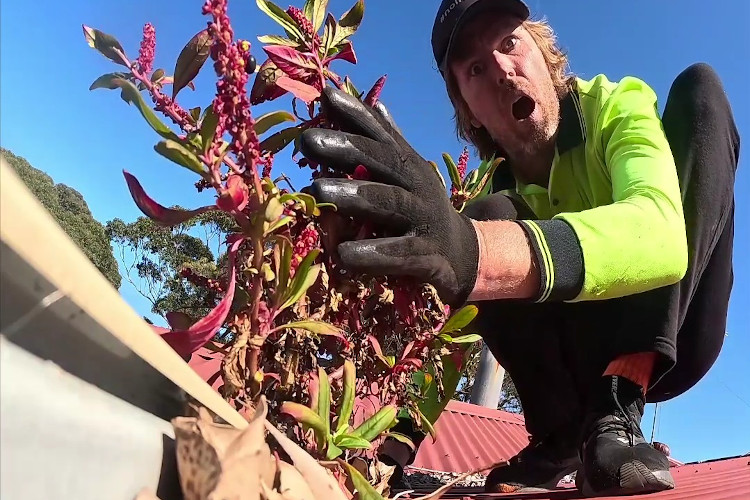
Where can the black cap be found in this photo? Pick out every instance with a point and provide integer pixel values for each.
(453, 13)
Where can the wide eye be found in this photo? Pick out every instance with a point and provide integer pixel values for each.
(508, 44)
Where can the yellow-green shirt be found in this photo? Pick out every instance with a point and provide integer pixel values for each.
(611, 221)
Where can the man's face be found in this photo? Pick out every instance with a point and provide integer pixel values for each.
(506, 84)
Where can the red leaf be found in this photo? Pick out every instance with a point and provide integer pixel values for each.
(303, 91)
(347, 54)
(264, 87)
(236, 196)
(375, 345)
(190, 340)
(291, 61)
(158, 213)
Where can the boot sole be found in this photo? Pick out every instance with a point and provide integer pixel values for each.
(635, 478)
(539, 488)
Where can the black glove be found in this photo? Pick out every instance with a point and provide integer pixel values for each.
(434, 243)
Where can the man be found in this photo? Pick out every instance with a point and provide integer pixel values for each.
(601, 264)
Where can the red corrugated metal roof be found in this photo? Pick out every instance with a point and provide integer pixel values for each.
(471, 436)
(725, 479)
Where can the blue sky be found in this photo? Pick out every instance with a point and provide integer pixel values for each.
(84, 139)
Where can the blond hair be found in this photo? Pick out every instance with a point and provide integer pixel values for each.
(557, 64)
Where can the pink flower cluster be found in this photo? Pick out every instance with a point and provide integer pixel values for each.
(147, 50)
(463, 162)
(305, 242)
(231, 104)
(303, 22)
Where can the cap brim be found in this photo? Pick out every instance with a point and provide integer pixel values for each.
(514, 7)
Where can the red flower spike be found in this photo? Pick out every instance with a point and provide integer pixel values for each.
(160, 214)
(186, 342)
(373, 95)
(147, 49)
(236, 195)
(463, 162)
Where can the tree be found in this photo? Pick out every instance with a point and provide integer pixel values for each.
(170, 266)
(509, 396)
(72, 213)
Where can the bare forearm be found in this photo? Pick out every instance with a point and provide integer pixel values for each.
(507, 268)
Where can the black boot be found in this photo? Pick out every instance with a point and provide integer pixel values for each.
(539, 466)
(617, 460)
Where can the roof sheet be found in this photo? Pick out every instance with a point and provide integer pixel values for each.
(471, 436)
(725, 479)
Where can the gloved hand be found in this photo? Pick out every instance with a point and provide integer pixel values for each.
(433, 243)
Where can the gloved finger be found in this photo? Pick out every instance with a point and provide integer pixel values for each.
(385, 114)
(383, 205)
(345, 152)
(401, 256)
(352, 115)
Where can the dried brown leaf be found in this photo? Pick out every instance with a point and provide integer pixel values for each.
(214, 460)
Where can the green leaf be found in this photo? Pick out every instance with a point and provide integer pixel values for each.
(351, 89)
(283, 221)
(306, 201)
(281, 139)
(324, 400)
(349, 22)
(460, 319)
(333, 451)
(277, 40)
(437, 171)
(445, 338)
(274, 209)
(484, 186)
(269, 120)
(329, 35)
(208, 127)
(452, 170)
(349, 442)
(157, 75)
(364, 489)
(427, 425)
(347, 396)
(307, 417)
(130, 94)
(107, 81)
(402, 438)
(371, 428)
(190, 60)
(195, 113)
(284, 267)
(181, 155)
(280, 16)
(106, 44)
(315, 11)
(467, 339)
(314, 326)
(303, 279)
(471, 181)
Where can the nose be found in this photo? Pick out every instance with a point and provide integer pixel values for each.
(503, 68)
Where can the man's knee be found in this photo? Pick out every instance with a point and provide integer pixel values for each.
(698, 77)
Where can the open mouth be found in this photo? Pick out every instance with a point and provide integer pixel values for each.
(523, 108)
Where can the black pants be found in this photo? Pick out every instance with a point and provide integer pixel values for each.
(554, 352)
